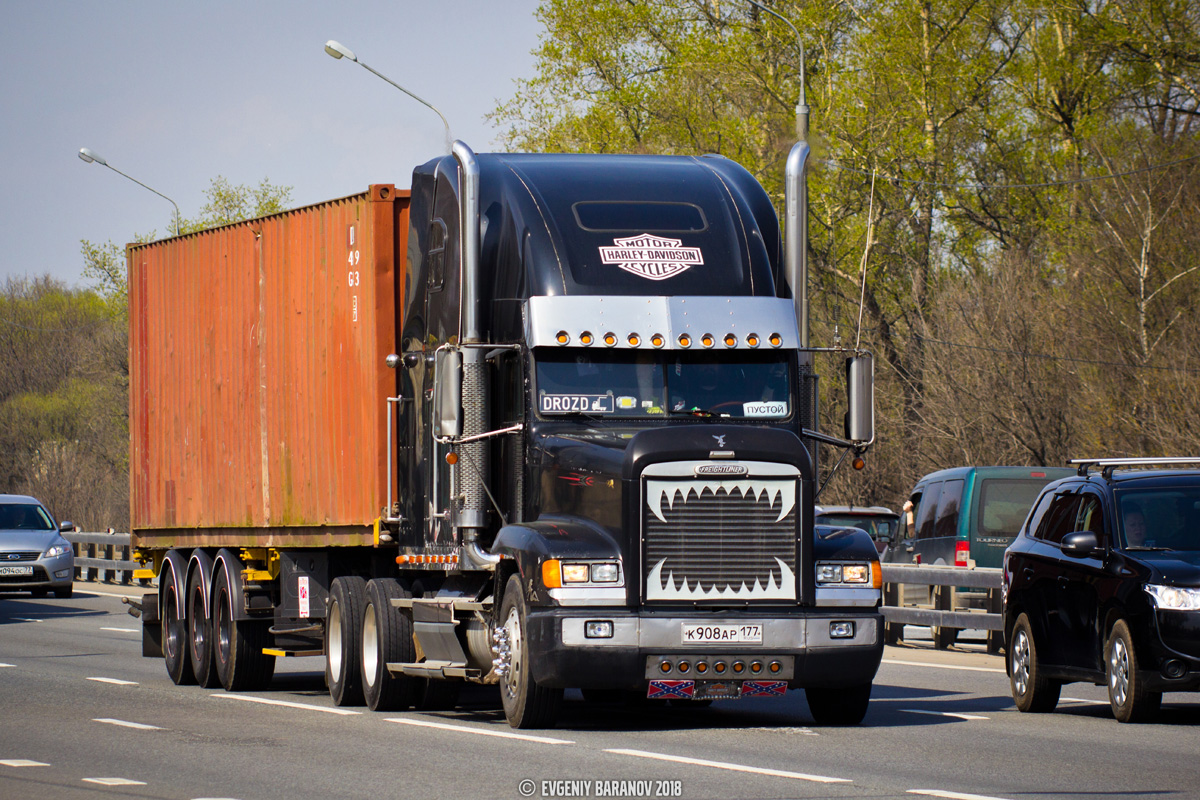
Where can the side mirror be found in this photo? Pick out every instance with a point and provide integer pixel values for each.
(1080, 544)
(860, 388)
(63, 527)
(447, 400)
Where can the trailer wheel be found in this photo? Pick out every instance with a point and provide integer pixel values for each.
(200, 649)
(343, 627)
(175, 634)
(842, 706)
(526, 705)
(241, 664)
(387, 637)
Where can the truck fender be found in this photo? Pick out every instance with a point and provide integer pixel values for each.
(553, 536)
(174, 571)
(228, 562)
(843, 544)
(201, 564)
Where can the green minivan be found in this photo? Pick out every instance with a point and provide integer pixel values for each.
(967, 516)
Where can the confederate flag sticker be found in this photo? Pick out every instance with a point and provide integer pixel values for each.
(654, 257)
(665, 690)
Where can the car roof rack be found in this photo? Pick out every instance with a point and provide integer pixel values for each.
(1110, 464)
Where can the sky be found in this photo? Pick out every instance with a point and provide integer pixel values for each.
(174, 94)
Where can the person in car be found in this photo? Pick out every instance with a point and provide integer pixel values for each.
(1135, 527)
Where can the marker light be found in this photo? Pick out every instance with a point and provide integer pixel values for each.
(562, 337)
(707, 340)
(752, 340)
(730, 340)
(552, 573)
(685, 340)
(776, 340)
(586, 338)
(610, 339)
(657, 340)
(634, 340)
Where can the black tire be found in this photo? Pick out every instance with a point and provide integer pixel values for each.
(386, 637)
(343, 633)
(438, 695)
(174, 637)
(1127, 693)
(200, 636)
(238, 644)
(943, 638)
(526, 704)
(841, 706)
(63, 594)
(1031, 690)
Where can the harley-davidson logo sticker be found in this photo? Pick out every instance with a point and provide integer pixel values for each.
(649, 256)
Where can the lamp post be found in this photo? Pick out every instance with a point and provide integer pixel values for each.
(92, 157)
(339, 50)
(802, 104)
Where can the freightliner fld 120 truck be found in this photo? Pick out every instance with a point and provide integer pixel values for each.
(541, 421)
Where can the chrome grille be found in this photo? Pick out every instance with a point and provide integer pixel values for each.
(720, 541)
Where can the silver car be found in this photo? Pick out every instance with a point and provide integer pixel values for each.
(34, 557)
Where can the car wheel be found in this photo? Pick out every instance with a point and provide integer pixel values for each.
(174, 634)
(240, 662)
(842, 706)
(343, 633)
(200, 649)
(526, 704)
(387, 637)
(1127, 693)
(1031, 691)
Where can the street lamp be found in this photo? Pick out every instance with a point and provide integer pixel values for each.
(92, 157)
(339, 50)
(802, 104)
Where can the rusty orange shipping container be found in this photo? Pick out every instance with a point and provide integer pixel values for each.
(258, 383)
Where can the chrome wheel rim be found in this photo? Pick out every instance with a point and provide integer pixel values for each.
(334, 626)
(1118, 672)
(516, 661)
(370, 653)
(1020, 663)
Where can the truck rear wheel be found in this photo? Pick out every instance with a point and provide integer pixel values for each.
(175, 635)
(241, 664)
(842, 706)
(526, 705)
(200, 649)
(387, 637)
(343, 630)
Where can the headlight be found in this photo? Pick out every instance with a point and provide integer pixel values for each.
(1174, 598)
(557, 573)
(57, 550)
(858, 574)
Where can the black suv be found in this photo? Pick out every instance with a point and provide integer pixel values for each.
(1103, 585)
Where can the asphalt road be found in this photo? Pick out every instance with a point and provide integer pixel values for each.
(82, 714)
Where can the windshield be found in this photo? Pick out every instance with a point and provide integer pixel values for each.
(626, 383)
(880, 528)
(1004, 504)
(1165, 519)
(24, 517)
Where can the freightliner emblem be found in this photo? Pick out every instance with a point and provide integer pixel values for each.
(649, 256)
(735, 470)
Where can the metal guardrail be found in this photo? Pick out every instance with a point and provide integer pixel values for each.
(939, 607)
(102, 557)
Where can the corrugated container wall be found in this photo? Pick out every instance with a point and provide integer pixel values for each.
(258, 381)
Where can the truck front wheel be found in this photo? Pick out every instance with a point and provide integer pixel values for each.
(343, 629)
(387, 637)
(842, 706)
(526, 705)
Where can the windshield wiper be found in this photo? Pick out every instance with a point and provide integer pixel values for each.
(1141, 547)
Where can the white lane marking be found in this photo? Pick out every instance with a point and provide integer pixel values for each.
(942, 713)
(699, 762)
(941, 666)
(21, 762)
(305, 706)
(952, 795)
(114, 681)
(125, 724)
(1085, 702)
(122, 630)
(114, 781)
(26, 619)
(481, 731)
(7, 665)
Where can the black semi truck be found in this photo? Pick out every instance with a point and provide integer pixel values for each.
(542, 421)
